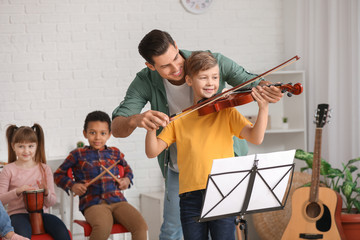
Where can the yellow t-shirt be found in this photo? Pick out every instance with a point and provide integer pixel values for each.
(200, 140)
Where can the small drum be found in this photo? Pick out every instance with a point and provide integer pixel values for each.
(34, 202)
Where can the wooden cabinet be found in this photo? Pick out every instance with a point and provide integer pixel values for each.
(151, 207)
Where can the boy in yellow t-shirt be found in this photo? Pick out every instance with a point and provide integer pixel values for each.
(200, 139)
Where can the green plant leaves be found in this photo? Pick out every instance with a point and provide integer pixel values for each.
(347, 188)
(308, 158)
(344, 181)
(354, 160)
(302, 155)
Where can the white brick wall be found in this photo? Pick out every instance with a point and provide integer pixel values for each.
(60, 60)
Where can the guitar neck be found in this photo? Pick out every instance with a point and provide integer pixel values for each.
(315, 178)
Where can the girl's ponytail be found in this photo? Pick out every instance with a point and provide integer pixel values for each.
(9, 136)
(40, 150)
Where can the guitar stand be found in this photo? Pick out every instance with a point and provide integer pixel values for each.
(242, 226)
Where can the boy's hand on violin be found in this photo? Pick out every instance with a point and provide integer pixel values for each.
(124, 183)
(79, 189)
(152, 120)
(259, 98)
(272, 94)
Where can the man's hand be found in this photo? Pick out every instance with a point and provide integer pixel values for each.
(271, 94)
(152, 120)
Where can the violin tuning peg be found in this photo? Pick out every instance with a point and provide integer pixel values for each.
(289, 94)
(290, 83)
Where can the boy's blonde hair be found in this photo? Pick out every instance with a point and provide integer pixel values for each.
(199, 61)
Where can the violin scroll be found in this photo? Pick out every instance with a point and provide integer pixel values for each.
(295, 89)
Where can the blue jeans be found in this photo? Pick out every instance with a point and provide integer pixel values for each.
(190, 209)
(171, 226)
(52, 225)
(5, 223)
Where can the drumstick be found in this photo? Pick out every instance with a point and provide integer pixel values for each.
(101, 174)
(108, 171)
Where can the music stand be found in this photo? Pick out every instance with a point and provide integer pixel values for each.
(248, 184)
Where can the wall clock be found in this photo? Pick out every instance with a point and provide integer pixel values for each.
(196, 6)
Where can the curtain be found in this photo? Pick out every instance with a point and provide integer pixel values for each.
(327, 39)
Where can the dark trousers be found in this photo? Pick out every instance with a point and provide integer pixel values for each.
(52, 225)
(190, 209)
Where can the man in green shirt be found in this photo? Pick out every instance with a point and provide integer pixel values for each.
(162, 84)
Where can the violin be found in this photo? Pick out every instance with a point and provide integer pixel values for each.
(228, 92)
(243, 96)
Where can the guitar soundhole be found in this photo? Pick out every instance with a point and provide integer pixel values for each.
(313, 210)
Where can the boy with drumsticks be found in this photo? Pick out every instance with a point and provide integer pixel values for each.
(95, 170)
(200, 139)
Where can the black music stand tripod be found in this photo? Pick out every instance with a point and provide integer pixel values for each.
(241, 189)
(241, 221)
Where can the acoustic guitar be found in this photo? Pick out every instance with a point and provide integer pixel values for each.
(316, 210)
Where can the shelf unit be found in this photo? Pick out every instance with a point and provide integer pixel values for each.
(278, 138)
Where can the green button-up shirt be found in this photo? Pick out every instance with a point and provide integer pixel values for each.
(148, 87)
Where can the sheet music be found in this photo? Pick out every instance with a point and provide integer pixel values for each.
(229, 179)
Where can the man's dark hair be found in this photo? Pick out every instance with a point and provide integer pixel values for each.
(97, 116)
(155, 43)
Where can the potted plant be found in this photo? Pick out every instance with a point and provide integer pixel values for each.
(343, 181)
(285, 123)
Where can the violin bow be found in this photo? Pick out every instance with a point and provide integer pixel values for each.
(229, 91)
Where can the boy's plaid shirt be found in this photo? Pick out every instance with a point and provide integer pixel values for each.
(86, 164)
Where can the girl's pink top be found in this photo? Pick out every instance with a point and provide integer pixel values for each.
(13, 176)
